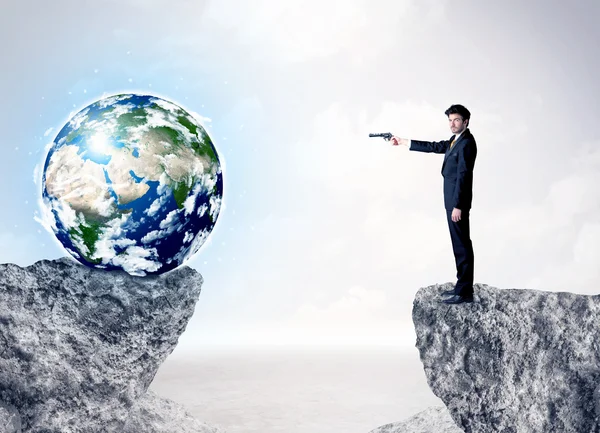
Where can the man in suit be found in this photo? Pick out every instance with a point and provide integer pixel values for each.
(457, 169)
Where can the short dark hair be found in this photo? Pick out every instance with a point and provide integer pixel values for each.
(460, 110)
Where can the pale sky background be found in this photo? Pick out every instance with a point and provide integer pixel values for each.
(326, 235)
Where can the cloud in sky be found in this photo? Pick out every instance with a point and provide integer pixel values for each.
(354, 318)
(300, 30)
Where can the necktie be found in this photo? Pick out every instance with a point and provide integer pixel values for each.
(452, 143)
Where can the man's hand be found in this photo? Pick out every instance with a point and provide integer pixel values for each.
(397, 140)
(456, 214)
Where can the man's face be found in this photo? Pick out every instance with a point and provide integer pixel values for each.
(457, 124)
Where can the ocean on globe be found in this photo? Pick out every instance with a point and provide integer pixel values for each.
(134, 183)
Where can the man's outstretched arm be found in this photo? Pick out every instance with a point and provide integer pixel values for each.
(422, 146)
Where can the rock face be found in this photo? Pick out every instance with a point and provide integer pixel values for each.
(514, 360)
(10, 420)
(80, 346)
(154, 414)
(432, 420)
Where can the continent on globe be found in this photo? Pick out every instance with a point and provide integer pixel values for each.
(132, 182)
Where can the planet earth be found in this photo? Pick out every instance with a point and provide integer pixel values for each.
(134, 183)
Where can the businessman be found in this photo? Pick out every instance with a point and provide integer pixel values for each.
(459, 152)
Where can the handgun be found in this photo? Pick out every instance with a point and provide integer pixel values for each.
(386, 135)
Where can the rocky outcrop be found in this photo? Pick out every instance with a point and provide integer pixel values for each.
(80, 346)
(432, 420)
(150, 414)
(155, 414)
(514, 360)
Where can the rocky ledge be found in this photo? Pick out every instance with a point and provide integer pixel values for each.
(514, 360)
(80, 346)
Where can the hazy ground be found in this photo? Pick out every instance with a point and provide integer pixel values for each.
(297, 390)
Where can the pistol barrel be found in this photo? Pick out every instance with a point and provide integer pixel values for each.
(385, 135)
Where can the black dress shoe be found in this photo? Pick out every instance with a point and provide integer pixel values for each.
(448, 293)
(458, 299)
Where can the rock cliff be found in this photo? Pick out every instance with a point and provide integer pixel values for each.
(80, 346)
(514, 360)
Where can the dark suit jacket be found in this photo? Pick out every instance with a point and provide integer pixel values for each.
(457, 168)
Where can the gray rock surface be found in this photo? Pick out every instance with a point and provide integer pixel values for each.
(155, 414)
(79, 346)
(150, 414)
(431, 420)
(10, 420)
(513, 361)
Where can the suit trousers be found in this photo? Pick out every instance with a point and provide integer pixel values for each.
(463, 253)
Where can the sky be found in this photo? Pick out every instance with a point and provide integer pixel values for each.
(325, 234)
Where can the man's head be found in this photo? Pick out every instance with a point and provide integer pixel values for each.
(458, 117)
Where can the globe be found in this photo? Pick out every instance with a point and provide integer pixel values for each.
(134, 183)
